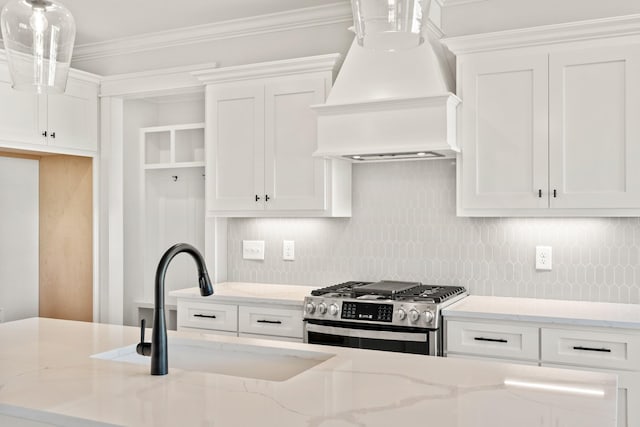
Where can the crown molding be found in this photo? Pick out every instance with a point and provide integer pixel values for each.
(618, 26)
(73, 73)
(155, 82)
(244, 27)
(309, 64)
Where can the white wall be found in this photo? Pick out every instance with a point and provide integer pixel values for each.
(19, 244)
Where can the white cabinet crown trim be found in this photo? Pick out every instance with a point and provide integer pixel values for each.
(558, 33)
(262, 70)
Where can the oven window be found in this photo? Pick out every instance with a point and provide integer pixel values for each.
(415, 347)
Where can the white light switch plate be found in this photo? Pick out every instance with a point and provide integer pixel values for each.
(543, 258)
(253, 249)
(288, 250)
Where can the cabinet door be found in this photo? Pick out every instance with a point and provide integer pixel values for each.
(594, 106)
(72, 117)
(235, 147)
(293, 178)
(504, 157)
(20, 115)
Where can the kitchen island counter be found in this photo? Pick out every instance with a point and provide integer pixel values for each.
(47, 374)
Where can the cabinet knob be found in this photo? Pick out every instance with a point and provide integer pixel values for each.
(257, 197)
(53, 135)
(44, 133)
(266, 197)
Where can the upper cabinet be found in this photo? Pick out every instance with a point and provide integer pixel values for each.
(549, 129)
(66, 123)
(260, 137)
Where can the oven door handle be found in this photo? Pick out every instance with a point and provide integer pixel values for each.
(366, 333)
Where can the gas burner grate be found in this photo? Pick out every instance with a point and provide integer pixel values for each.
(436, 294)
(346, 288)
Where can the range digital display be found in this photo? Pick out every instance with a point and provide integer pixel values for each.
(367, 311)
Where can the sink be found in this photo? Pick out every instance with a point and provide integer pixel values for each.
(240, 360)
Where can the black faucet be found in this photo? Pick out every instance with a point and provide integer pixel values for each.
(157, 348)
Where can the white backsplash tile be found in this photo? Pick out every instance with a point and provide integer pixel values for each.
(404, 227)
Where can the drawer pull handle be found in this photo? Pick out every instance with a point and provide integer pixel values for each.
(491, 339)
(601, 350)
(208, 316)
(272, 322)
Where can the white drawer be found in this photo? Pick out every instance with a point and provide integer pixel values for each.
(221, 317)
(600, 349)
(271, 321)
(492, 339)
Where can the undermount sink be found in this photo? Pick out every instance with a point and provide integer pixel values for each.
(240, 360)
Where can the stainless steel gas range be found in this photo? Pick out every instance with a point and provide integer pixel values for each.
(387, 315)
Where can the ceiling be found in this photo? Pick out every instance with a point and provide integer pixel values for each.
(99, 21)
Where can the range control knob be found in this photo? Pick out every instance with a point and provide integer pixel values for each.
(310, 308)
(402, 314)
(428, 316)
(414, 315)
(333, 310)
(322, 308)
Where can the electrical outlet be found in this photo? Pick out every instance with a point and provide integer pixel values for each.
(288, 250)
(543, 258)
(253, 249)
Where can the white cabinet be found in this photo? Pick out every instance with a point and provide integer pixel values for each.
(72, 117)
(201, 315)
(594, 131)
(265, 321)
(62, 122)
(560, 346)
(503, 341)
(261, 133)
(549, 130)
(262, 320)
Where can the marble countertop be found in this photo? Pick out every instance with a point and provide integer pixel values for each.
(245, 292)
(46, 373)
(582, 313)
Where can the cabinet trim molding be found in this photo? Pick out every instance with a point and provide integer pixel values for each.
(262, 70)
(557, 33)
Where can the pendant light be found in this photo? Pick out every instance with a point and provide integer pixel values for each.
(38, 38)
(389, 24)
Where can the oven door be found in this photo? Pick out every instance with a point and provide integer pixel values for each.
(402, 340)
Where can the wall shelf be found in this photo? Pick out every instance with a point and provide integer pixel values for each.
(166, 147)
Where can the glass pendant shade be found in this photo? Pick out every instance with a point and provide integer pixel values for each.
(38, 38)
(389, 24)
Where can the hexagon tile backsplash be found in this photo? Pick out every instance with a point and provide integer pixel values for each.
(404, 227)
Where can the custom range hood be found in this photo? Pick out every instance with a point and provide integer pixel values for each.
(390, 105)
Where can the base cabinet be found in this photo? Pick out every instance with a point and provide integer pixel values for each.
(610, 350)
(264, 321)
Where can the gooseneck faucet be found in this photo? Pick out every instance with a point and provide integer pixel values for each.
(157, 349)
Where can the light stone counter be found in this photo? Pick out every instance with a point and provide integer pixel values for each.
(45, 370)
(580, 313)
(250, 293)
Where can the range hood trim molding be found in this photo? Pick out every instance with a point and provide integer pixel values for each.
(427, 124)
(385, 104)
